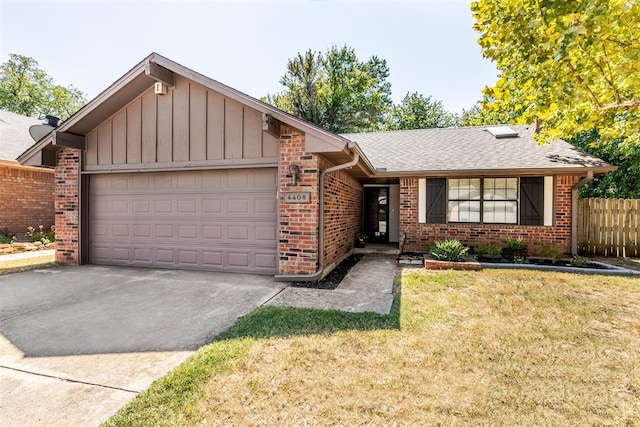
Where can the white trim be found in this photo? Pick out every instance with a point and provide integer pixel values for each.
(422, 200)
(548, 201)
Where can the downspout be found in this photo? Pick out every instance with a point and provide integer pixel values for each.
(318, 274)
(574, 210)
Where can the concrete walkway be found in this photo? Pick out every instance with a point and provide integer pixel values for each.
(368, 287)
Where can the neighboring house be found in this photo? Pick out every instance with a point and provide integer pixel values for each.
(169, 168)
(26, 193)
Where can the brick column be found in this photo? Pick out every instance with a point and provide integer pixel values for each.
(298, 235)
(67, 206)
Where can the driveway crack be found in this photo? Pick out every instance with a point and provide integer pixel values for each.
(70, 380)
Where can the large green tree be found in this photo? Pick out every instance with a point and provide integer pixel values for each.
(573, 64)
(336, 90)
(26, 89)
(622, 183)
(416, 111)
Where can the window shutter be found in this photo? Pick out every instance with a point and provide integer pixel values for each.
(531, 200)
(436, 200)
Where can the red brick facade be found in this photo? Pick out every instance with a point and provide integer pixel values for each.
(67, 206)
(26, 198)
(298, 222)
(419, 236)
(342, 214)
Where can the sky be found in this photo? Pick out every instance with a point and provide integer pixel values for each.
(430, 46)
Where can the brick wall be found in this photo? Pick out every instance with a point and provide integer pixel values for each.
(420, 236)
(298, 227)
(67, 206)
(26, 198)
(342, 214)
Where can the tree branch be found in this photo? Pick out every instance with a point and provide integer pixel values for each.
(631, 104)
(580, 80)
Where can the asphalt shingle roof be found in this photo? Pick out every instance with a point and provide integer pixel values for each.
(14, 134)
(467, 148)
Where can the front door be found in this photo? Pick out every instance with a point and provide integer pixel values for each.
(376, 214)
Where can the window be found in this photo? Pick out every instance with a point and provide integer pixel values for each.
(464, 200)
(487, 200)
(500, 200)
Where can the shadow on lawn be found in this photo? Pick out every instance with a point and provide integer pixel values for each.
(277, 321)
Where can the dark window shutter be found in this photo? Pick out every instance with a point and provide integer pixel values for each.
(436, 200)
(532, 200)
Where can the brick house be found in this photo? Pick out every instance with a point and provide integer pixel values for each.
(26, 192)
(169, 168)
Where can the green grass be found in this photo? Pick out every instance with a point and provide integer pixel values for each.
(496, 347)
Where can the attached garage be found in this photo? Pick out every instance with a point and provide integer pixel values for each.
(220, 220)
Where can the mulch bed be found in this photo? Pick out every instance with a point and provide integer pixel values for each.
(333, 279)
(557, 263)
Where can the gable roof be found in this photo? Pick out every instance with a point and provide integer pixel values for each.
(471, 150)
(154, 68)
(14, 134)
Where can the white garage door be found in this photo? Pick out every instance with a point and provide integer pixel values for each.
(220, 220)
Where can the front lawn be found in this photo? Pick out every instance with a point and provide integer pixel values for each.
(497, 347)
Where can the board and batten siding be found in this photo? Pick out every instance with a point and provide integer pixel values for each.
(189, 126)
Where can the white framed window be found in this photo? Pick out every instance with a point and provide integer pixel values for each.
(486, 200)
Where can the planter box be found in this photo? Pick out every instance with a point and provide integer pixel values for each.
(469, 264)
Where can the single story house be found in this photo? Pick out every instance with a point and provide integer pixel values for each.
(169, 168)
(26, 192)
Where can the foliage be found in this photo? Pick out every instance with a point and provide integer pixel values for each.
(40, 235)
(621, 183)
(479, 116)
(6, 237)
(573, 65)
(578, 261)
(448, 250)
(520, 260)
(490, 250)
(549, 251)
(515, 244)
(336, 90)
(26, 89)
(419, 112)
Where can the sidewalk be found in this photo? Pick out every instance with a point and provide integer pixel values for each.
(368, 287)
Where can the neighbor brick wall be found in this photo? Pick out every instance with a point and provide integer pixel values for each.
(26, 198)
(67, 206)
(342, 213)
(420, 236)
(298, 227)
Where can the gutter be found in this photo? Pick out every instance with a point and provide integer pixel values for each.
(574, 210)
(319, 272)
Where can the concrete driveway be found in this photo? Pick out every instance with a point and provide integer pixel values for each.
(77, 343)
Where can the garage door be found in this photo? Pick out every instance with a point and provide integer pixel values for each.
(220, 220)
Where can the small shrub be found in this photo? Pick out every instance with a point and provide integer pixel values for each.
(7, 238)
(579, 261)
(449, 250)
(520, 260)
(494, 251)
(40, 235)
(515, 244)
(549, 251)
(480, 251)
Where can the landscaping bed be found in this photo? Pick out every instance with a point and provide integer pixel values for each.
(548, 262)
(333, 279)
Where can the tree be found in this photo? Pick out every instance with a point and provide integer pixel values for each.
(621, 183)
(26, 89)
(572, 64)
(419, 112)
(335, 90)
(478, 115)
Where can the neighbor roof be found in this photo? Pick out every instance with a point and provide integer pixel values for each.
(14, 134)
(468, 150)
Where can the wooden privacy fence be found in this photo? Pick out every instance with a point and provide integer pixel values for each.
(609, 227)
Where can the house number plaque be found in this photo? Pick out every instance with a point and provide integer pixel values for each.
(297, 197)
